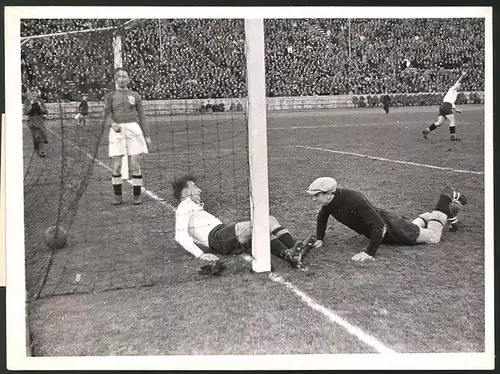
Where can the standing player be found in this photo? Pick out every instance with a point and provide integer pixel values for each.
(128, 135)
(386, 102)
(194, 225)
(83, 110)
(446, 111)
(34, 107)
(354, 210)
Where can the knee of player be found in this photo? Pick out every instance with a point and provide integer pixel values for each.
(434, 239)
(273, 222)
(243, 231)
(117, 166)
(136, 169)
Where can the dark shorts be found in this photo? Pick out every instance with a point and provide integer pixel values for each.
(399, 231)
(223, 240)
(445, 109)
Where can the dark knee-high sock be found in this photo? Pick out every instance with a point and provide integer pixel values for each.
(116, 179)
(443, 204)
(278, 248)
(284, 236)
(137, 183)
(432, 127)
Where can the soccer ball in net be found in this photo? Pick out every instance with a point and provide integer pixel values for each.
(55, 237)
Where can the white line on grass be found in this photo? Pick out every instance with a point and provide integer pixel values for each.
(351, 329)
(393, 161)
(406, 124)
(147, 192)
(321, 126)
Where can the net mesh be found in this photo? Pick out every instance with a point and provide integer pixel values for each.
(193, 130)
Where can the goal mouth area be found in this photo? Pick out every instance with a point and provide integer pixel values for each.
(208, 137)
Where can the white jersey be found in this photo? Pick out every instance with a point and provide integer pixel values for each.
(193, 225)
(451, 95)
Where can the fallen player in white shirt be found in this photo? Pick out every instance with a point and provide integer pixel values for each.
(194, 226)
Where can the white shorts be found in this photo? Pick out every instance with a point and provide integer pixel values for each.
(130, 141)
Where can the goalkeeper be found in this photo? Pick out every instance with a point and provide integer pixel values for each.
(353, 210)
(128, 134)
(195, 225)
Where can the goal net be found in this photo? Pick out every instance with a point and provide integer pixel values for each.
(192, 77)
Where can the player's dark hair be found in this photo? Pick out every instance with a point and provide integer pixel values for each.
(180, 183)
(121, 69)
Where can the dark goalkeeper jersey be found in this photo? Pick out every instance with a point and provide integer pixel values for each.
(354, 210)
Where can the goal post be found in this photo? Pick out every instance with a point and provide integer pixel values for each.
(257, 144)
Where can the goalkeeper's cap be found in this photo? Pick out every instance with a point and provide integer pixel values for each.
(323, 184)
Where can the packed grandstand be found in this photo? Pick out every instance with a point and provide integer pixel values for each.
(205, 58)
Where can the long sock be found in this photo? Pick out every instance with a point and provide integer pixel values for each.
(284, 236)
(117, 184)
(432, 127)
(443, 204)
(279, 249)
(137, 183)
(453, 214)
(452, 130)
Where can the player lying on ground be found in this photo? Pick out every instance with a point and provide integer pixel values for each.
(194, 225)
(446, 111)
(128, 134)
(354, 210)
(34, 108)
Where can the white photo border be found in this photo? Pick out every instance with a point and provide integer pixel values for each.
(15, 293)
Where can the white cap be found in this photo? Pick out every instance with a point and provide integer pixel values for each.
(323, 184)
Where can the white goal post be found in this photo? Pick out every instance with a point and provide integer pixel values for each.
(257, 144)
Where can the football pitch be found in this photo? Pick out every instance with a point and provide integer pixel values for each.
(122, 286)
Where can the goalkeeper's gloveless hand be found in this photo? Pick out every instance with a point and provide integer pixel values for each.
(208, 257)
(362, 256)
(213, 269)
(318, 244)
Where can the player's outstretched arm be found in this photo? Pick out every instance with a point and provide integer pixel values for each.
(321, 223)
(182, 236)
(377, 230)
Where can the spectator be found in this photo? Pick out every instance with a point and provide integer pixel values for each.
(200, 58)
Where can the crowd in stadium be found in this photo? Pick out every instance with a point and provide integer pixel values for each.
(205, 58)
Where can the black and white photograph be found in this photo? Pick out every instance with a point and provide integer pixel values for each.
(294, 188)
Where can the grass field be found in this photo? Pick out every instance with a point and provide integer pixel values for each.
(138, 293)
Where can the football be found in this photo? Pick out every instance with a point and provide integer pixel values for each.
(55, 237)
